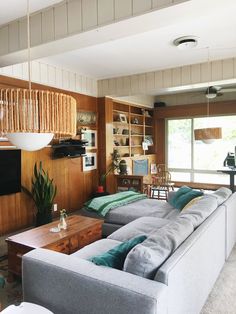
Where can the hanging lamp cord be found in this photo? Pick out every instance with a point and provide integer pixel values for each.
(28, 45)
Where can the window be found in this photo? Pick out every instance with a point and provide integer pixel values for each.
(190, 160)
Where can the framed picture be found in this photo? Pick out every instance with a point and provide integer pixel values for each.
(153, 169)
(122, 118)
(90, 162)
(91, 137)
(86, 118)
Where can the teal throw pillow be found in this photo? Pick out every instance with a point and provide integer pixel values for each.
(115, 257)
(183, 196)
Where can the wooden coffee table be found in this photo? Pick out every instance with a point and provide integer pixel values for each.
(80, 232)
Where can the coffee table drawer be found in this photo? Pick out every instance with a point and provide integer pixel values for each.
(61, 246)
(90, 235)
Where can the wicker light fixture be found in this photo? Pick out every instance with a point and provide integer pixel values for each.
(208, 135)
(30, 118)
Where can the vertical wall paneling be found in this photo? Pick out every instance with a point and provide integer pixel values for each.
(23, 33)
(74, 186)
(217, 70)
(74, 16)
(89, 13)
(13, 36)
(228, 68)
(61, 23)
(123, 9)
(36, 29)
(140, 6)
(186, 75)
(195, 73)
(48, 25)
(105, 11)
(4, 40)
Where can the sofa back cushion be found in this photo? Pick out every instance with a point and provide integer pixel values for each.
(183, 196)
(221, 195)
(144, 259)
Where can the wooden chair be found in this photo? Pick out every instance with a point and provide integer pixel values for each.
(161, 185)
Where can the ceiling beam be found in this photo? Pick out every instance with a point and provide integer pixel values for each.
(75, 24)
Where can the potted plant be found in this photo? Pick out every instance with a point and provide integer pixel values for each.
(43, 192)
(114, 165)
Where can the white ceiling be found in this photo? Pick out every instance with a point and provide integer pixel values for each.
(213, 24)
(144, 43)
(14, 9)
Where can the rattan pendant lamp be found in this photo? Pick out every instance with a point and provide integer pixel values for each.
(30, 118)
(208, 135)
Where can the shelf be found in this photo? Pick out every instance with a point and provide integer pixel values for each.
(136, 145)
(148, 126)
(120, 146)
(133, 124)
(137, 114)
(120, 111)
(140, 135)
(121, 123)
(123, 135)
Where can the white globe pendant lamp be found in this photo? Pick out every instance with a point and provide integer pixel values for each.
(30, 118)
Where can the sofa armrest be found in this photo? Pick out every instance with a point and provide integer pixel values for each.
(66, 285)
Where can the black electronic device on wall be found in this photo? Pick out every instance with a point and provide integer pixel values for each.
(69, 148)
(10, 171)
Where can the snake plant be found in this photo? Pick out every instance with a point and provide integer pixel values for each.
(43, 190)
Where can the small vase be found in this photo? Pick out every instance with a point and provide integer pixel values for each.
(62, 224)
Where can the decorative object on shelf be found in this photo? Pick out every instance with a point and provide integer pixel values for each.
(140, 167)
(62, 223)
(208, 135)
(116, 143)
(135, 121)
(43, 192)
(123, 167)
(122, 118)
(125, 132)
(115, 131)
(115, 156)
(144, 146)
(153, 168)
(90, 162)
(148, 139)
(86, 118)
(91, 137)
(30, 118)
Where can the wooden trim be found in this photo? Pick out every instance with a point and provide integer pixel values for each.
(181, 111)
(197, 185)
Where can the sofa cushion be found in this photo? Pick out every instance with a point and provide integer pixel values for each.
(184, 195)
(95, 248)
(221, 195)
(147, 207)
(146, 258)
(200, 210)
(143, 225)
(116, 256)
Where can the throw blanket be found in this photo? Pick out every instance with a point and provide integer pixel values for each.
(103, 204)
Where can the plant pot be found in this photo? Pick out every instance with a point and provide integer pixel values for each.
(43, 218)
(100, 189)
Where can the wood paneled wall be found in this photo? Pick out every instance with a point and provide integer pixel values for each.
(74, 186)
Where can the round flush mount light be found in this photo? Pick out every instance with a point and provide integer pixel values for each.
(185, 42)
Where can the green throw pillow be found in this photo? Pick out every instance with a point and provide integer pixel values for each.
(183, 196)
(115, 257)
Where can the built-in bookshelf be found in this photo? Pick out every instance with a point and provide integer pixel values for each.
(132, 130)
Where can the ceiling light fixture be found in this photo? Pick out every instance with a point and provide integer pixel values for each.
(30, 118)
(208, 135)
(185, 42)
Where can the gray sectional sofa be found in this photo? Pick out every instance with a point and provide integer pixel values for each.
(172, 271)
